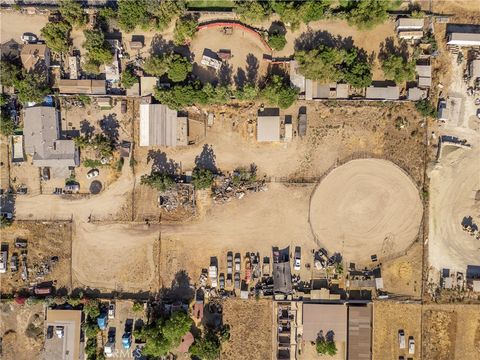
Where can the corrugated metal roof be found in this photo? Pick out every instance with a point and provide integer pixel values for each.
(410, 23)
(160, 126)
(90, 87)
(359, 332)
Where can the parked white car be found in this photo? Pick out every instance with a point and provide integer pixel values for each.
(411, 345)
(297, 259)
(29, 38)
(93, 173)
(401, 339)
(111, 311)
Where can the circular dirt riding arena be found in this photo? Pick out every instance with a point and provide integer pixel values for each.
(366, 207)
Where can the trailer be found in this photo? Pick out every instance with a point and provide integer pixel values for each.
(212, 274)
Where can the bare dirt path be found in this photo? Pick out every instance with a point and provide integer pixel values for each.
(366, 207)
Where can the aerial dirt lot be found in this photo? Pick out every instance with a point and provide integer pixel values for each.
(453, 187)
(403, 275)
(250, 329)
(45, 239)
(14, 24)
(366, 207)
(21, 330)
(115, 257)
(390, 317)
(451, 332)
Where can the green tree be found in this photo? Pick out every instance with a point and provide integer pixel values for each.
(165, 11)
(10, 73)
(425, 108)
(128, 78)
(202, 178)
(98, 49)
(277, 41)
(178, 68)
(366, 14)
(396, 68)
(31, 88)
(178, 96)
(73, 13)
(185, 29)
(162, 337)
(7, 126)
(288, 11)
(252, 12)
(322, 63)
(249, 92)
(133, 13)
(158, 180)
(313, 10)
(91, 309)
(278, 93)
(57, 35)
(3, 99)
(155, 65)
(326, 347)
(206, 348)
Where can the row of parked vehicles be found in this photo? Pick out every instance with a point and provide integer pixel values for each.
(102, 322)
(402, 344)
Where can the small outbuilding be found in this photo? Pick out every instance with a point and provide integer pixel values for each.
(409, 24)
(268, 125)
(161, 126)
(463, 39)
(383, 93)
(474, 69)
(86, 86)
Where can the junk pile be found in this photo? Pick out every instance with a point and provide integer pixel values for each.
(182, 195)
(236, 185)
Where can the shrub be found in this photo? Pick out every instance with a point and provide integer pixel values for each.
(396, 68)
(98, 50)
(185, 29)
(425, 108)
(366, 14)
(157, 180)
(178, 68)
(277, 41)
(128, 78)
(137, 307)
(92, 163)
(132, 13)
(202, 178)
(7, 126)
(252, 12)
(72, 12)
(278, 93)
(57, 36)
(326, 347)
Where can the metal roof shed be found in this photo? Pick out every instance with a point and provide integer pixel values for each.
(383, 93)
(410, 24)
(360, 332)
(464, 39)
(268, 125)
(160, 126)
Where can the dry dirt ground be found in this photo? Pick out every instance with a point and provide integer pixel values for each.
(366, 207)
(390, 317)
(17, 344)
(45, 239)
(250, 329)
(451, 332)
(14, 24)
(106, 258)
(403, 275)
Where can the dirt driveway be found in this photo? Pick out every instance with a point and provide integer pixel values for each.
(14, 24)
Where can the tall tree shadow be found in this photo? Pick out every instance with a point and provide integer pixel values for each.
(109, 125)
(160, 162)
(252, 69)
(180, 289)
(86, 128)
(388, 47)
(225, 74)
(240, 78)
(206, 159)
(312, 39)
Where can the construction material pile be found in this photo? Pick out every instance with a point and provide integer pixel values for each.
(236, 185)
(181, 195)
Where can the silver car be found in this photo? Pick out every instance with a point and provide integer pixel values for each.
(237, 262)
(236, 280)
(229, 262)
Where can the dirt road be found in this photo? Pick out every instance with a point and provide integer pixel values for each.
(366, 207)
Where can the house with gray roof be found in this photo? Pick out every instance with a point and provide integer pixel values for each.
(43, 140)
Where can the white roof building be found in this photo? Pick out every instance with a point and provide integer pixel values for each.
(161, 126)
(410, 24)
(268, 125)
(463, 39)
